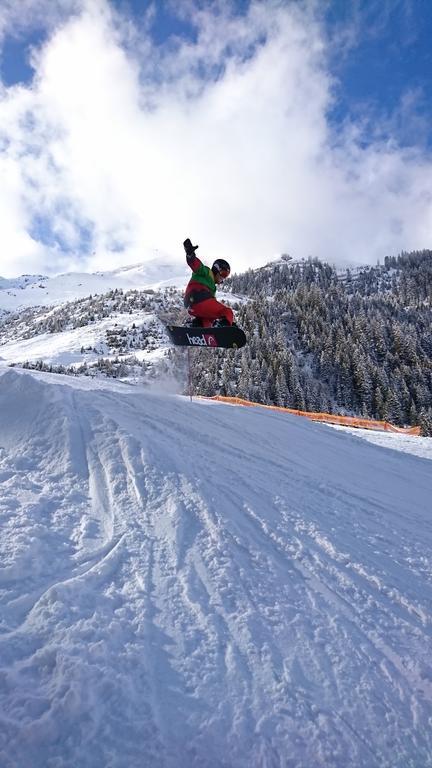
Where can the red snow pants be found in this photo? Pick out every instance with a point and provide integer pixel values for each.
(210, 310)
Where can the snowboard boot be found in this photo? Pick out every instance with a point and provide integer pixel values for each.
(220, 322)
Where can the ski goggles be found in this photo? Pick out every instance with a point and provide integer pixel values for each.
(224, 273)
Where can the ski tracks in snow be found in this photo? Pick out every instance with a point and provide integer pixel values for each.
(196, 585)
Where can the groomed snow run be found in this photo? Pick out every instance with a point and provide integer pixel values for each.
(198, 585)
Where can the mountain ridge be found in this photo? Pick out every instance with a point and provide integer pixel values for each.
(29, 291)
(354, 343)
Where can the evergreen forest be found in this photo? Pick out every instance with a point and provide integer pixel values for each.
(352, 342)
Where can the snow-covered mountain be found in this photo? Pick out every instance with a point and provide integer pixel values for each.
(318, 341)
(75, 320)
(196, 585)
(115, 325)
(157, 272)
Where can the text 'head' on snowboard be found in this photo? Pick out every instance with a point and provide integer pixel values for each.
(222, 337)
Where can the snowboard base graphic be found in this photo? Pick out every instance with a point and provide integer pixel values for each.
(222, 337)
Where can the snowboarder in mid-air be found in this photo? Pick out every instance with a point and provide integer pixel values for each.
(212, 323)
(199, 298)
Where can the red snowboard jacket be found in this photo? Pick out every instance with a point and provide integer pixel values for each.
(202, 284)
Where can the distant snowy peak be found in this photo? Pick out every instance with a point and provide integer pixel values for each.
(157, 272)
(278, 260)
(38, 290)
(20, 283)
(341, 269)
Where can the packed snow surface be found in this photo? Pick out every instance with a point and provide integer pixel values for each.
(193, 584)
(418, 446)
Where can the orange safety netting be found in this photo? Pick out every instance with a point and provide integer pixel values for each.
(329, 418)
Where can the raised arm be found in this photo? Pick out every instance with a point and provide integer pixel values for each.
(193, 261)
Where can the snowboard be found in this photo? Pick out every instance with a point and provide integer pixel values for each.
(222, 337)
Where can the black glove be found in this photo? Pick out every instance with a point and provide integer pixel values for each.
(189, 248)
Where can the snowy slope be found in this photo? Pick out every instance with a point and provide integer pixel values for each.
(65, 348)
(200, 585)
(417, 446)
(83, 314)
(160, 271)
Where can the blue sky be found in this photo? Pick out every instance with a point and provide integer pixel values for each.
(256, 127)
(385, 60)
(389, 61)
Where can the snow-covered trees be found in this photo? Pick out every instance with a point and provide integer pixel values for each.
(357, 342)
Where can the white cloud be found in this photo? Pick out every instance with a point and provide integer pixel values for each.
(17, 17)
(131, 146)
